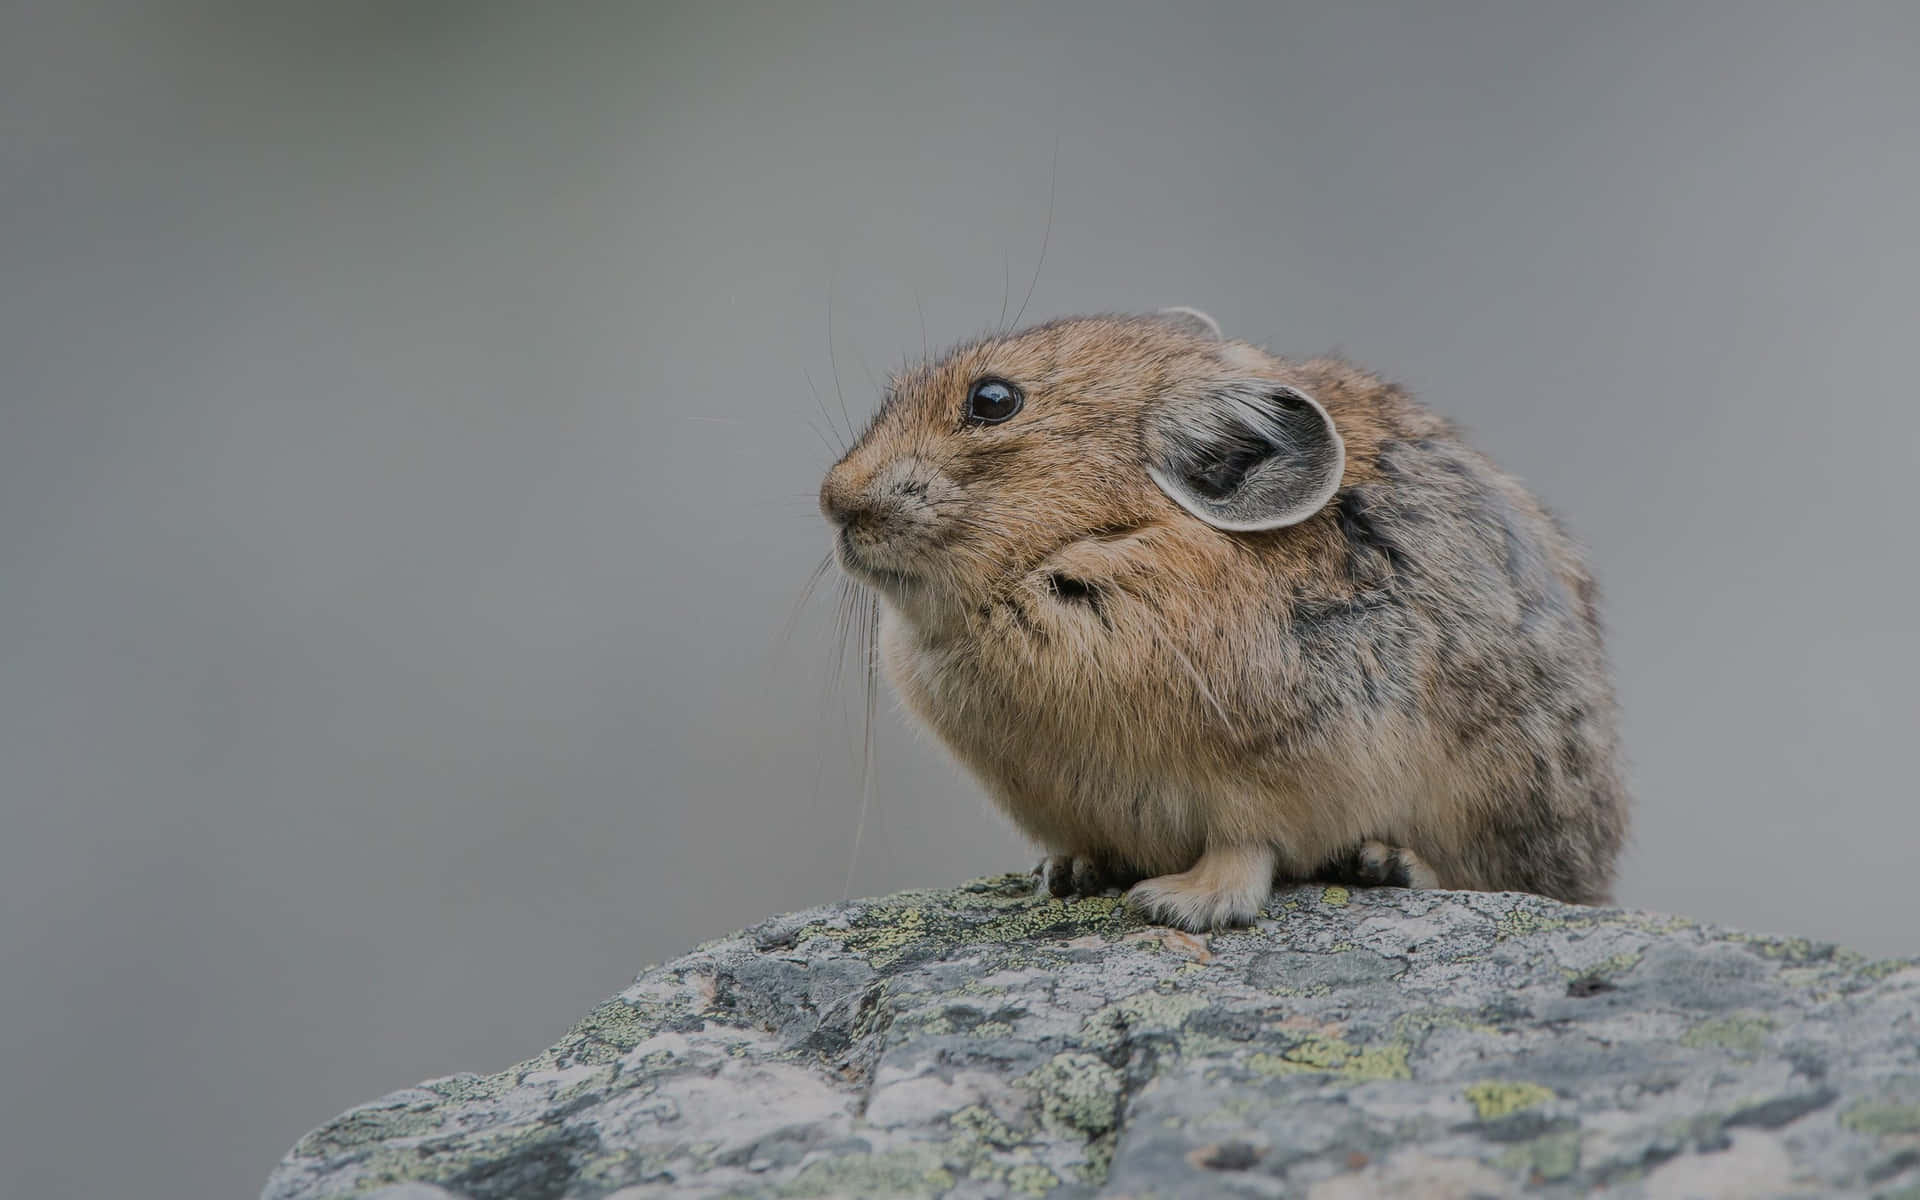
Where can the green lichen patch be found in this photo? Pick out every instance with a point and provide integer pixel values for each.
(1885, 967)
(1320, 1053)
(1335, 897)
(468, 1156)
(1881, 1118)
(1077, 1093)
(1413, 1027)
(1744, 1035)
(989, 1151)
(1520, 922)
(1031, 1179)
(886, 933)
(607, 1033)
(1610, 967)
(1153, 1010)
(466, 1089)
(976, 1124)
(1786, 949)
(1085, 914)
(1553, 1156)
(1494, 1098)
(914, 1172)
(1099, 1159)
(352, 1131)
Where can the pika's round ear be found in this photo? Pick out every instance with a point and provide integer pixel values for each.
(1191, 320)
(1255, 456)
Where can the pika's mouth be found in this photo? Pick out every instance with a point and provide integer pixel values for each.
(854, 563)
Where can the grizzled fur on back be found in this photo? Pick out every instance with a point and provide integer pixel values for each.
(1467, 598)
(1359, 635)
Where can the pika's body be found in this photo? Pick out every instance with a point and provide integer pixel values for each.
(1199, 618)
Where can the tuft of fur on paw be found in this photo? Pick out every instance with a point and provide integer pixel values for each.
(1224, 889)
(1166, 901)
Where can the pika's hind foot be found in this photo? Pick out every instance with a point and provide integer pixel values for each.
(1227, 887)
(1376, 864)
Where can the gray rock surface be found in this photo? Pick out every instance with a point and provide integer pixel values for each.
(985, 1042)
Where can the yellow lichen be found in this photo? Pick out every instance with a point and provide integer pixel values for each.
(1412, 1026)
(1606, 968)
(1555, 1156)
(1493, 1098)
(1521, 921)
(1741, 1035)
(1332, 1055)
(1076, 1092)
(1032, 1178)
(1881, 1118)
(895, 1173)
(1152, 1009)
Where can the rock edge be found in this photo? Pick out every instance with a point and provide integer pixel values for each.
(982, 1041)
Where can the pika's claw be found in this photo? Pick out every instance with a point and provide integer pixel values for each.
(1227, 887)
(1088, 879)
(1377, 864)
(1072, 875)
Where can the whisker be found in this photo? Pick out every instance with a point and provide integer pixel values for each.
(825, 416)
(842, 615)
(827, 445)
(870, 652)
(799, 606)
(1053, 181)
(834, 361)
(1006, 286)
(868, 372)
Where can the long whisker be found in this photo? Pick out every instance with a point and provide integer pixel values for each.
(1006, 287)
(868, 372)
(825, 444)
(871, 654)
(800, 605)
(834, 361)
(825, 416)
(1053, 181)
(842, 625)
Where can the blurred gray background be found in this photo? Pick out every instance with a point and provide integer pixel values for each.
(405, 471)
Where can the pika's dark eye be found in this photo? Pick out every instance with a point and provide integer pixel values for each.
(991, 401)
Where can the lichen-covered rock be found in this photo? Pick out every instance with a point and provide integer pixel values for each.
(985, 1042)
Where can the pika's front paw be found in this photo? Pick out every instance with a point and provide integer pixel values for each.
(1227, 887)
(1071, 875)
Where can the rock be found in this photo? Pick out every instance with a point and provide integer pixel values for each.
(985, 1042)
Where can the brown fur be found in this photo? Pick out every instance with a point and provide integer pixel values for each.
(1417, 664)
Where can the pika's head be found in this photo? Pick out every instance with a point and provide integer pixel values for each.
(982, 464)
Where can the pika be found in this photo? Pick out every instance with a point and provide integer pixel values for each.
(1201, 619)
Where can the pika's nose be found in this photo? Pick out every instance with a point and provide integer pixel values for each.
(840, 500)
(899, 490)
(893, 491)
